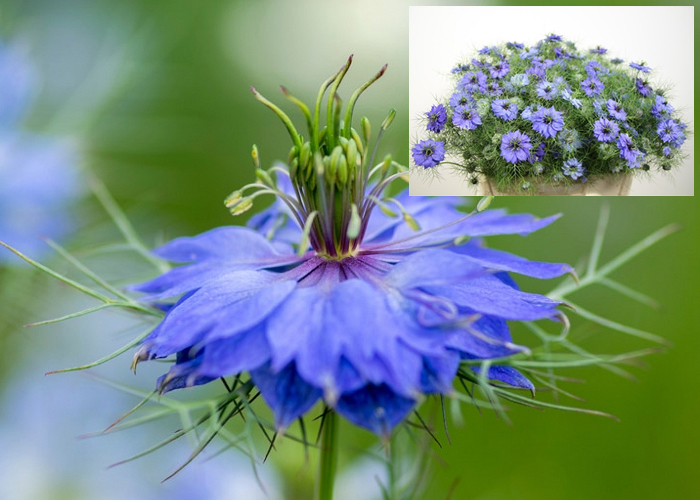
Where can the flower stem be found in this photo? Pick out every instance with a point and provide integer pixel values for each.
(329, 456)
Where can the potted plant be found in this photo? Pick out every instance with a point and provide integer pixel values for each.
(551, 119)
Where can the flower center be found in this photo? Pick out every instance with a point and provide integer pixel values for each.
(329, 172)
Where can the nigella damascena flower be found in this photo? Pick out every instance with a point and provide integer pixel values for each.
(474, 81)
(500, 69)
(605, 130)
(437, 117)
(661, 107)
(428, 153)
(640, 67)
(466, 118)
(38, 174)
(546, 90)
(643, 87)
(374, 315)
(668, 130)
(460, 99)
(515, 147)
(547, 121)
(504, 109)
(616, 110)
(592, 86)
(573, 168)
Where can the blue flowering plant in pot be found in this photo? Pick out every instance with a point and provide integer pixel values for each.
(551, 119)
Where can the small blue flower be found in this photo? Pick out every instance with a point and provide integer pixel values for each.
(573, 168)
(553, 38)
(592, 86)
(605, 130)
(437, 117)
(466, 118)
(617, 60)
(515, 147)
(515, 45)
(598, 50)
(548, 121)
(460, 99)
(474, 81)
(493, 89)
(643, 87)
(640, 67)
(668, 130)
(428, 153)
(504, 109)
(667, 152)
(661, 107)
(499, 70)
(616, 110)
(546, 90)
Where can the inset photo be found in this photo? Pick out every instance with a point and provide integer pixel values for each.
(551, 101)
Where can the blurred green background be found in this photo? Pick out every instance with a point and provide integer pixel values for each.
(157, 94)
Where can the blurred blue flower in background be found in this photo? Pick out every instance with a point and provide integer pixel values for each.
(39, 175)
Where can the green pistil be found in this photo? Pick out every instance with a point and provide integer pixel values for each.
(329, 171)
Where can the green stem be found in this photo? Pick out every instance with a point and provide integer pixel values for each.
(329, 456)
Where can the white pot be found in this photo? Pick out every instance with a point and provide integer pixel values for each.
(609, 186)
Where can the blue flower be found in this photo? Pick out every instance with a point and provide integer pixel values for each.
(617, 60)
(668, 130)
(547, 121)
(546, 90)
(38, 174)
(466, 118)
(493, 89)
(428, 153)
(598, 50)
(460, 99)
(640, 67)
(369, 319)
(661, 107)
(474, 81)
(605, 130)
(643, 87)
(573, 168)
(592, 86)
(437, 117)
(515, 147)
(616, 110)
(515, 45)
(504, 109)
(500, 69)
(553, 38)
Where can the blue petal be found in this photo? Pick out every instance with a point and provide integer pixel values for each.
(438, 374)
(489, 295)
(440, 212)
(235, 303)
(473, 341)
(432, 267)
(503, 261)
(508, 375)
(232, 244)
(376, 408)
(287, 394)
(233, 355)
(183, 373)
